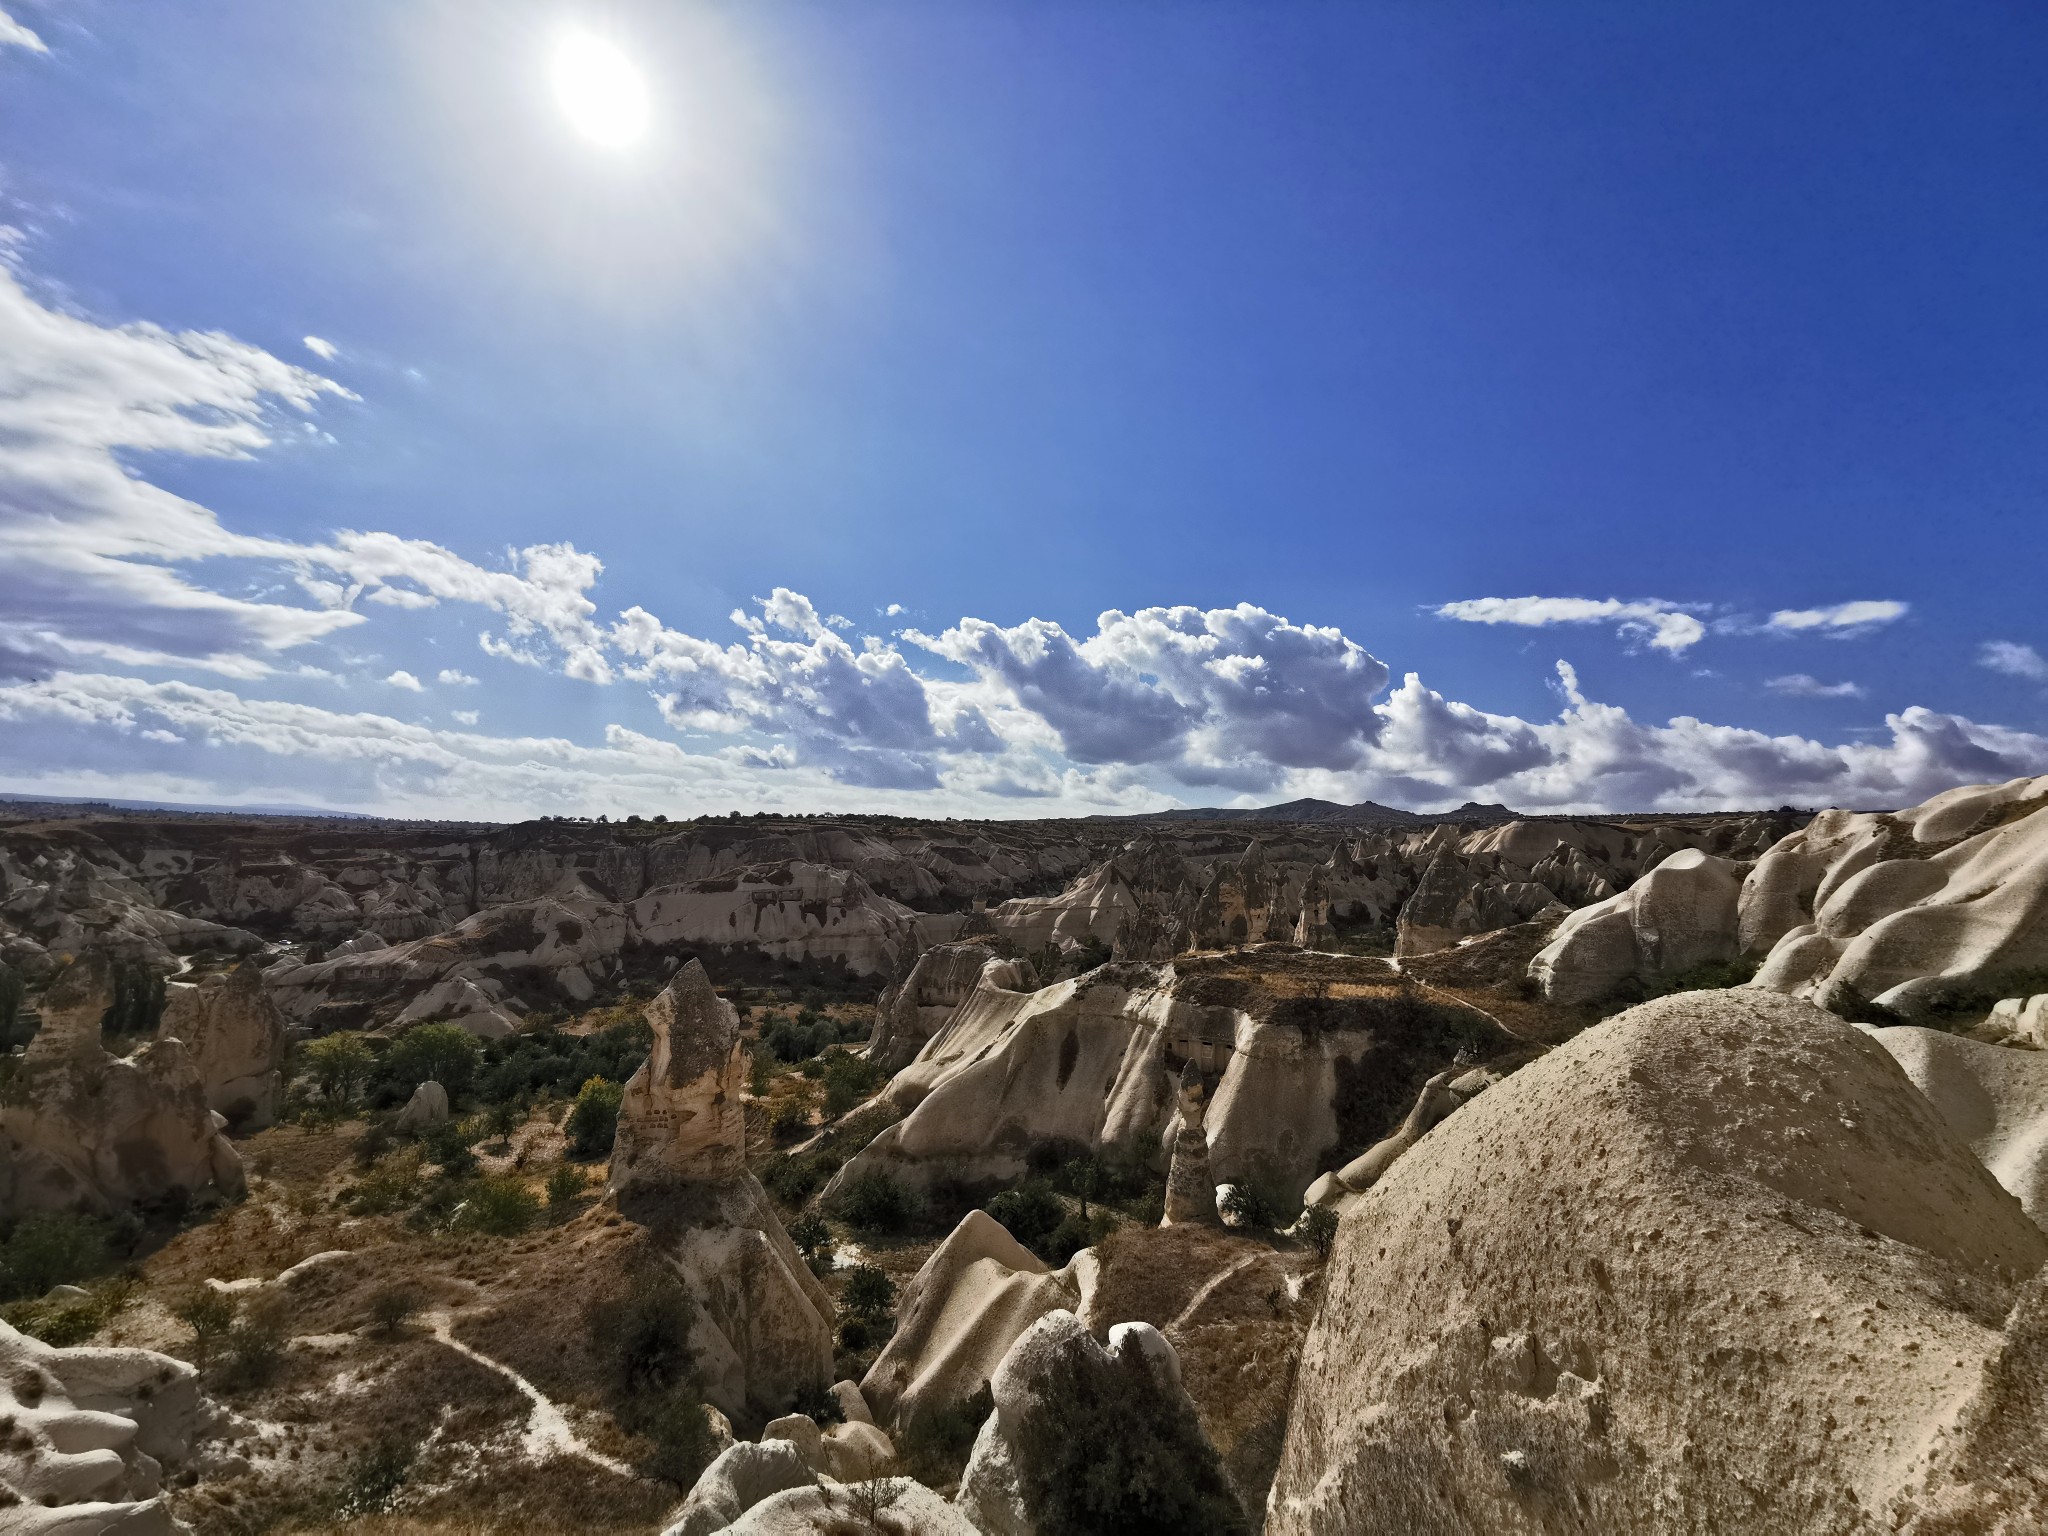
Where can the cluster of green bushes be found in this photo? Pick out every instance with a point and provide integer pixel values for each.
(239, 1347)
(456, 1196)
(639, 1337)
(868, 1299)
(1045, 1224)
(794, 1177)
(935, 1444)
(808, 1034)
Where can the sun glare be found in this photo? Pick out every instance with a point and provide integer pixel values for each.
(601, 92)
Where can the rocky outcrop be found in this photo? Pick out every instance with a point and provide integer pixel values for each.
(911, 1011)
(1190, 1187)
(956, 1319)
(1992, 1097)
(1915, 911)
(1440, 1095)
(235, 1035)
(794, 911)
(1091, 1064)
(80, 1128)
(1679, 916)
(763, 1336)
(92, 1436)
(741, 1477)
(1715, 1260)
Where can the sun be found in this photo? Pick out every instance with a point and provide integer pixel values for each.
(601, 91)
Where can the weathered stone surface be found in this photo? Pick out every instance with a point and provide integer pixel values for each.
(1711, 1257)
(740, 1478)
(235, 1035)
(792, 911)
(1190, 1188)
(1680, 915)
(427, 1108)
(92, 1434)
(1993, 1097)
(910, 1012)
(682, 1119)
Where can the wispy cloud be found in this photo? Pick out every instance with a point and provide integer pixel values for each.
(1801, 685)
(14, 35)
(1667, 626)
(452, 678)
(2014, 660)
(325, 350)
(1841, 619)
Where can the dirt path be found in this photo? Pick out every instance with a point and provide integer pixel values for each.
(1209, 1289)
(548, 1432)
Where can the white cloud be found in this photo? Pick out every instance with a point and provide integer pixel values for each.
(455, 679)
(1842, 619)
(405, 680)
(2014, 660)
(1667, 626)
(326, 351)
(894, 610)
(464, 716)
(1800, 685)
(14, 34)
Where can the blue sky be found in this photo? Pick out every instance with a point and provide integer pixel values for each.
(1185, 377)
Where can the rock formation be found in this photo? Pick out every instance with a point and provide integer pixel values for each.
(1993, 1097)
(1084, 1064)
(763, 1335)
(1714, 1261)
(1913, 911)
(911, 1011)
(792, 911)
(957, 1318)
(1438, 1098)
(83, 1129)
(235, 1036)
(91, 1436)
(1190, 1188)
(1680, 915)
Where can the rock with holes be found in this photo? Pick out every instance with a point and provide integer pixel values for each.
(82, 1129)
(91, 1435)
(796, 911)
(1715, 1264)
(763, 1334)
(1938, 906)
(235, 1035)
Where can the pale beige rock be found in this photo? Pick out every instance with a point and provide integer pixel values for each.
(91, 1435)
(235, 1035)
(1190, 1188)
(901, 1507)
(1993, 1097)
(1709, 1266)
(681, 1119)
(427, 1108)
(855, 1452)
(955, 1320)
(910, 1012)
(1911, 910)
(741, 1477)
(792, 911)
(1680, 915)
(2025, 1017)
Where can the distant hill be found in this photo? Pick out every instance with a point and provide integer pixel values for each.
(1367, 814)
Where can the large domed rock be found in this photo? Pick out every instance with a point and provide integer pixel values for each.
(1680, 915)
(1716, 1264)
(1992, 1097)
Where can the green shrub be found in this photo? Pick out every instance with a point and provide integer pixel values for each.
(446, 1054)
(210, 1314)
(869, 1293)
(812, 1237)
(392, 1185)
(594, 1120)
(639, 1338)
(1319, 1230)
(447, 1144)
(1248, 1205)
(52, 1248)
(565, 1184)
(500, 1205)
(255, 1345)
(816, 1403)
(390, 1307)
(875, 1202)
(61, 1324)
(1031, 1212)
(373, 1478)
(1100, 1448)
(848, 1080)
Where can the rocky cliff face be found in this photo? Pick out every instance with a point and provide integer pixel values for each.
(235, 1035)
(81, 1129)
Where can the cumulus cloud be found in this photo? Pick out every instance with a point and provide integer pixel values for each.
(1800, 685)
(465, 716)
(14, 35)
(325, 350)
(2014, 660)
(1667, 626)
(453, 678)
(1842, 619)
(405, 680)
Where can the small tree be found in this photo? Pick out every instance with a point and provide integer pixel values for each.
(390, 1307)
(565, 1184)
(595, 1119)
(446, 1053)
(869, 1293)
(812, 1237)
(339, 1066)
(501, 1206)
(209, 1314)
(1319, 1230)
(502, 1119)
